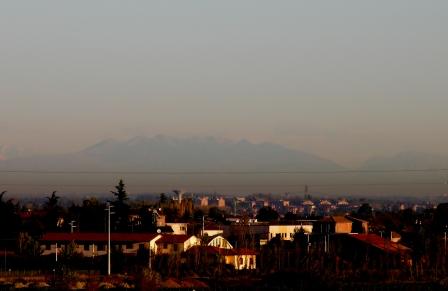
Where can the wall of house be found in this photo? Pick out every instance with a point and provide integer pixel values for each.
(88, 249)
(170, 248)
(178, 228)
(286, 232)
(177, 248)
(241, 262)
(343, 227)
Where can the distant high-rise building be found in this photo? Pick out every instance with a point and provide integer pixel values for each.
(221, 203)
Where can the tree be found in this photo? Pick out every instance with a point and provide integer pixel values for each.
(52, 201)
(9, 221)
(267, 214)
(365, 211)
(1, 196)
(28, 246)
(91, 216)
(121, 208)
(163, 199)
(54, 212)
(217, 214)
(120, 194)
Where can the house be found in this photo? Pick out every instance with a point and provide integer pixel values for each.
(178, 227)
(212, 230)
(241, 259)
(216, 241)
(171, 244)
(258, 230)
(359, 225)
(95, 244)
(372, 250)
(287, 231)
(342, 224)
(333, 224)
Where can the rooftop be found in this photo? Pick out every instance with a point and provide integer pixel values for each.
(98, 237)
(381, 243)
(173, 238)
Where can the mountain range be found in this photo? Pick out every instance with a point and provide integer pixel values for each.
(163, 153)
(190, 158)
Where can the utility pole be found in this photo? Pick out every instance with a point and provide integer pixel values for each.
(149, 260)
(203, 225)
(445, 240)
(108, 209)
(56, 254)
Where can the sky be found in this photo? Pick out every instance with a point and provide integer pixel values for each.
(346, 80)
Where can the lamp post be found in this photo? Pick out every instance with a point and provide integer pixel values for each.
(445, 239)
(108, 209)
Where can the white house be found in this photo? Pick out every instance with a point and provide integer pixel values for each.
(175, 244)
(286, 232)
(178, 227)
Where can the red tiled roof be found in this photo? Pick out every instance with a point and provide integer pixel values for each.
(381, 243)
(98, 237)
(173, 238)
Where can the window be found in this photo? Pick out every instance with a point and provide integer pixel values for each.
(141, 246)
(165, 245)
(241, 261)
(48, 247)
(175, 247)
(86, 247)
(101, 247)
(251, 261)
(129, 246)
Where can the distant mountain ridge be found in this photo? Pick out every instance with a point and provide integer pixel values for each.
(163, 153)
(115, 159)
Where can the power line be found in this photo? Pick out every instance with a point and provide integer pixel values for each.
(43, 172)
(233, 185)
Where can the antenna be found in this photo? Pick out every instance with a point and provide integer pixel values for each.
(72, 225)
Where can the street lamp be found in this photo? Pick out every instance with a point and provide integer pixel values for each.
(109, 212)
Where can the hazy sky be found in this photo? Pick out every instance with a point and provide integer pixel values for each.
(346, 80)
